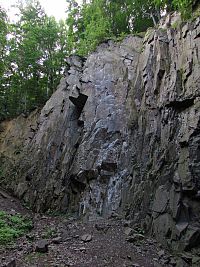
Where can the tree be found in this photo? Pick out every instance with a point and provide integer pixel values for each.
(36, 51)
(3, 57)
(184, 6)
(97, 20)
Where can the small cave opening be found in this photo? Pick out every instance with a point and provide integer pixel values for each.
(79, 103)
(182, 104)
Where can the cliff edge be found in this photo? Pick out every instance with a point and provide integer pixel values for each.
(120, 134)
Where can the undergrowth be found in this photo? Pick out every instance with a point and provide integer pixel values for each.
(13, 226)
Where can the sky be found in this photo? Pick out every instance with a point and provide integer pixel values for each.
(56, 8)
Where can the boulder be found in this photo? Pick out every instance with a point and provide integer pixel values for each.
(42, 246)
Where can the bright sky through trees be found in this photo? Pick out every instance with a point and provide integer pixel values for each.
(56, 8)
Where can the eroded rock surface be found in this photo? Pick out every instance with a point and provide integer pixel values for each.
(121, 134)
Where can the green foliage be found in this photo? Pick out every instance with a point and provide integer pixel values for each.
(12, 226)
(3, 40)
(35, 57)
(33, 50)
(96, 27)
(99, 20)
(184, 6)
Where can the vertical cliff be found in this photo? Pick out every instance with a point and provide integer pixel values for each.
(120, 134)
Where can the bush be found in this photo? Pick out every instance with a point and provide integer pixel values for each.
(13, 226)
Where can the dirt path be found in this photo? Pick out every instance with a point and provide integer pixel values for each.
(68, 242)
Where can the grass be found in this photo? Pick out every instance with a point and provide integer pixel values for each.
(12, 227)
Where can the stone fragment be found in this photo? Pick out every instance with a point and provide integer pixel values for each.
(128, 231)
(161, 253)
(57, 240)
(42, 246)
(181, 226)
(134, 238)
(86, 238)
(3, 194)
(83, 249)
(102, 227)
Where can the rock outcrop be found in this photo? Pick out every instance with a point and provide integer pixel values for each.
(120, 134)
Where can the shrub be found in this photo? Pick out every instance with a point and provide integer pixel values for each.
(13, 226)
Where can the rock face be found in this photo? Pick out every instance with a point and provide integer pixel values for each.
(120, 134)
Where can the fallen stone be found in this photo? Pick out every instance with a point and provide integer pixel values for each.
(86, 238)
(114, 215)
(134, 238)
(161, 253)
(3, 194)
(83, 249)
(128, 231)
(12, 212)
(102, 227)
(57, 240)
(42, 246)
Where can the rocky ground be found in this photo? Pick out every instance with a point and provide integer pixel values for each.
(59, 241)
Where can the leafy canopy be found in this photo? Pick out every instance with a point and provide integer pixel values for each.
(33, 50)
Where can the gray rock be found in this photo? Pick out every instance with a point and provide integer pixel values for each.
(102, 227)
(161, 253)
(128, 231)
(134, 238)
(86, 238)
(120, 134)
(42, 246)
